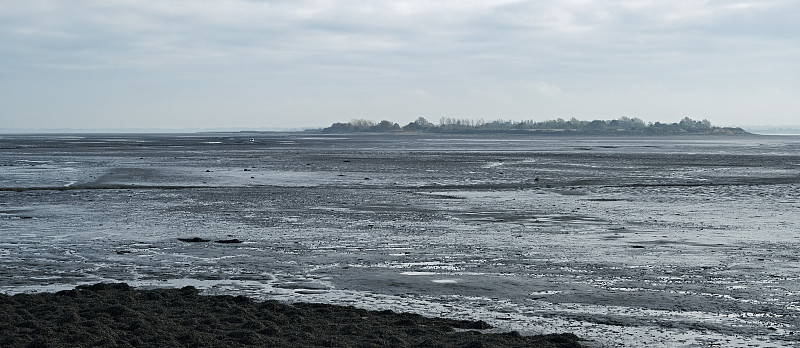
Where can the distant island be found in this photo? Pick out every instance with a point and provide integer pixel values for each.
(573, 126)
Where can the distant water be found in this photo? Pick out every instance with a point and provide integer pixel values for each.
(663, 242)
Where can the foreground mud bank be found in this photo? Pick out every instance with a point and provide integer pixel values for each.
(120, 316)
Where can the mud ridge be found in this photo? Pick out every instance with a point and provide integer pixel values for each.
(101, 187)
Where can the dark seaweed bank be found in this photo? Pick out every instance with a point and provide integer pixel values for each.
(117, 315)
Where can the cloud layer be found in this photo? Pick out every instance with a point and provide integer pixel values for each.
(251, 63)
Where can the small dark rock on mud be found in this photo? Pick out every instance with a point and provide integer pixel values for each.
(229, 241)
(193, 240)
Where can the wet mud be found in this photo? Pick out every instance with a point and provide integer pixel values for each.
(662, 242)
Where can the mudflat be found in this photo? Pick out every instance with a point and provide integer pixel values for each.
(631, 241)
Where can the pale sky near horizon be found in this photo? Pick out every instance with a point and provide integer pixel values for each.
(308, 63)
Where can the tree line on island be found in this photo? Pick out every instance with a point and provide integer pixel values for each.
(622, 125)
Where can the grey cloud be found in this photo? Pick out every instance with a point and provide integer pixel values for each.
(554, 52)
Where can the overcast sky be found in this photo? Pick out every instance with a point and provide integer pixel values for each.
(298, 63)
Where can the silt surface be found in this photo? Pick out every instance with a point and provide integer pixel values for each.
(651, 241)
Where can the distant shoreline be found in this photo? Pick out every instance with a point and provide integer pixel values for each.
(621, 126)
(319, 131)
(774, 130)
(554, 133)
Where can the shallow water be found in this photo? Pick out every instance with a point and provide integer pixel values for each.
(662, 242)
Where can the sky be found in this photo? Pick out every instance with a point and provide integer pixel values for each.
(175, 64)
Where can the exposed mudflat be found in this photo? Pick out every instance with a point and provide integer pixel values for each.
(660, 242)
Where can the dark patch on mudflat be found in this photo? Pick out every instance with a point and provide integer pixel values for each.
(118, 315)
(193, 240)
(229, 241)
